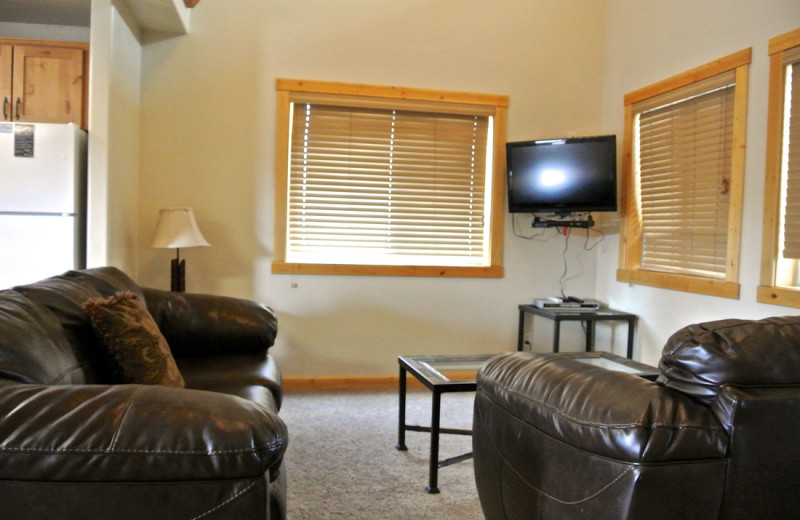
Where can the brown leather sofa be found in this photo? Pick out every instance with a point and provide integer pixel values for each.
(77, 444)
(715, 437)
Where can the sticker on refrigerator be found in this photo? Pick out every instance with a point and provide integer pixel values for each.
(6, 128)
(23, 140)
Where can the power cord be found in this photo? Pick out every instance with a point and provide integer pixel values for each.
(586, 247)
(567, 233)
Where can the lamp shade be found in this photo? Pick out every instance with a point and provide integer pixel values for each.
(177, 228)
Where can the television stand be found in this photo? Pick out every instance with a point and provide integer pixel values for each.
(587, 318)
(563, 221)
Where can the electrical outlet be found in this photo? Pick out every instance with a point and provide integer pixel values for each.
(527, 339)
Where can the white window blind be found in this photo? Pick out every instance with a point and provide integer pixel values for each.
(791, 156)
(683, 159)
(385, 186)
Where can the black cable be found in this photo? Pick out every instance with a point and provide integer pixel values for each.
(519, 235)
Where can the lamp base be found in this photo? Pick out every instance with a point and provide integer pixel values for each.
(178, 275)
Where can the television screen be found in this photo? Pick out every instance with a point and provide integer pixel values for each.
(562, 175)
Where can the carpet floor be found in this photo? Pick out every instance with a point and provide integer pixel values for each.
(342, 463)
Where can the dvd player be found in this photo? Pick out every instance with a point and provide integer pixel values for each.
(551, 304)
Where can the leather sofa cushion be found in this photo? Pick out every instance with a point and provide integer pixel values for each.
(224, 373)
(699, 360)
(134, 433)
(106, 280)
(253, 393)
(64, 297)
(605, 412)
(33, 348)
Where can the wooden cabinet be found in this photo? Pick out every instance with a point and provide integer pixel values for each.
(43, 82)
(6, 63)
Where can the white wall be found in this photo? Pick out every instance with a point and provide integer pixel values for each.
(650, 40)
(114, 148)
(208, 142)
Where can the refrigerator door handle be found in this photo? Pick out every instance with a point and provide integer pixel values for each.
(37, 214)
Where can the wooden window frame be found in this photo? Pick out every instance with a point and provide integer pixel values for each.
(770, 291)
(630, 253)
(286, 88)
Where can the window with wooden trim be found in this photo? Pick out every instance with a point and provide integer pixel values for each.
(388, 181)
(683, 174)
(780, 261)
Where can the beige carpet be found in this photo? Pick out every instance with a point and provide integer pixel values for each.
(342, 462)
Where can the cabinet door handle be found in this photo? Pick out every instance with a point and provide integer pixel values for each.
(19, 101)
(5, 108)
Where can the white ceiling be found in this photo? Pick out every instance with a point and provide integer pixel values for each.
(51, 12)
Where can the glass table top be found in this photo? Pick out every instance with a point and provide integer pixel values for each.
(440, 370)
(462, 369)
(611, 361)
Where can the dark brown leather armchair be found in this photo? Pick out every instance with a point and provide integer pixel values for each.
(77, 444)
(716, 437)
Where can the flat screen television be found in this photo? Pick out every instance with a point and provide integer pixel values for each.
(562, 176)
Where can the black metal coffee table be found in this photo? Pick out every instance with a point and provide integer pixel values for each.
(440, 374)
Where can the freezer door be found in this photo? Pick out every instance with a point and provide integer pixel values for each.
(49, 181)
(35, 247)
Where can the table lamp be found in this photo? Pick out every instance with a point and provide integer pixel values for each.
(177, 228)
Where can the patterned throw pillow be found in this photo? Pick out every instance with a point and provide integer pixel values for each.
(138, 349)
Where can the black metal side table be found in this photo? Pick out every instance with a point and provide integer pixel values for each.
(588, 317)
(440, 374)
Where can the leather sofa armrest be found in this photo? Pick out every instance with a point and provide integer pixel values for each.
(602, 411)
(134, 433)
(202, 324)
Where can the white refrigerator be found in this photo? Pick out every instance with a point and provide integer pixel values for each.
(42, 201)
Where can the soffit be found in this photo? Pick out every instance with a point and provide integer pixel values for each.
(167, 16)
